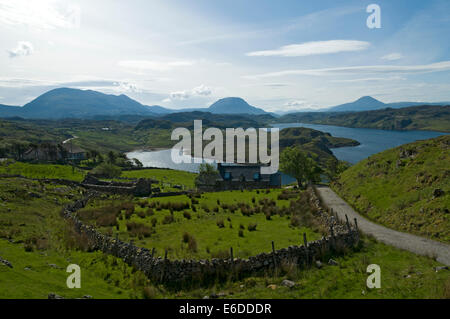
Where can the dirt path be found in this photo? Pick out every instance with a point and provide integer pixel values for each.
(415, 244)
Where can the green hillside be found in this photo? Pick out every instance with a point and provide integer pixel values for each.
(425, 117)
(405, 188)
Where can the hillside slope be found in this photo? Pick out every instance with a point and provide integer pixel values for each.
(405, 188)
(65, 103)
(364, 103)
(425, 117)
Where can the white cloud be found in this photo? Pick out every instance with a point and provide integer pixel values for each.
(20, 83)
(127, 87)
(381, 79)
(294, 103)
(392, 56)
(43, 14)
(365, 69)
(180, 95)
(153, 65)
(23, 48)
(314, 47)
(201, 90)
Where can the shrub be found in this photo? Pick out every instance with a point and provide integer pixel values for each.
(154, 221)
(150, 212)
(252, 227)
(106, 220)
(149, 292)
(221, 254)
(295, 221)
(446, 291)
(187, 215)
(168, 219)
(220, 223)
(186, 237)
(141, 214)
(138, 230)
(190, 240)
(241, 233)
(106, 170)
(192, 244)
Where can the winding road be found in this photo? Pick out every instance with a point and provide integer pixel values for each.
(412, 243)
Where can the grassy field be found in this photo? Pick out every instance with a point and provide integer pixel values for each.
(165, 176)
(213, 223)
(405, 188)
(36, 240)
(403, 276)
(52, 171)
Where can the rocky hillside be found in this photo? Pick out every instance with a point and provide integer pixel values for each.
(406, 188)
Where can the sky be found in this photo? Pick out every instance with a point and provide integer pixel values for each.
(277, 55)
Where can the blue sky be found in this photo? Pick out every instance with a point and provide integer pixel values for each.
(278, 55)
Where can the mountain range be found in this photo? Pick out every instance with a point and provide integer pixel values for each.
(75, 103)
(368, 103)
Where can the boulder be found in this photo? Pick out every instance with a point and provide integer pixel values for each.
(438, 193)
(440, 268)
(333, 262)
(6, 263)
(288, 283)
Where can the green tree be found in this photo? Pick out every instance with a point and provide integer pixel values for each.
(138, 163)
(207, 175)
(106, 170)
(112, 157)
(299, 164)
(335, 168)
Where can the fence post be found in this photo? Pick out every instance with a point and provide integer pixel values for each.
(163, 274)
(305, 242)
(273, 255)
(332, 237)
(348, 224)
(153, 252)
(232, 262)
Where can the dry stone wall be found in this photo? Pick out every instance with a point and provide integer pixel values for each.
(175, 272)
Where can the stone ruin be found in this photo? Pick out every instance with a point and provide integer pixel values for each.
(141, 188)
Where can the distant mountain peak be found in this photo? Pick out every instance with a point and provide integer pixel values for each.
(367, 98)
(364, 103)
(233, 105)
